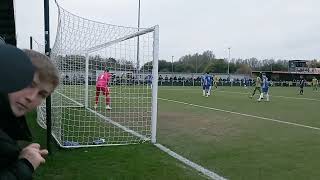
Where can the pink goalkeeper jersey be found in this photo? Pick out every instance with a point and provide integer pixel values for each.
(103, 79)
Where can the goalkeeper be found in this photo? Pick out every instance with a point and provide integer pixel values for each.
(102, 86)
(257, 87)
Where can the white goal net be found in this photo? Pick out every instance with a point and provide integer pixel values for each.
(84, 115)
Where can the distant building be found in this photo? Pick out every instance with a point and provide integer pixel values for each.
(295, 69)
(298, 66)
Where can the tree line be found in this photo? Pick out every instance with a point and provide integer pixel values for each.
(190, 63)
(207, 62)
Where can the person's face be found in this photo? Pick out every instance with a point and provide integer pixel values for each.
(29, 98)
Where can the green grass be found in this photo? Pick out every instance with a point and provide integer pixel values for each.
(232, 145)
(143, 161)
(131, 108)
(241, 147)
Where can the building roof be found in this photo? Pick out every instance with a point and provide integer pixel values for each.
(286, 72)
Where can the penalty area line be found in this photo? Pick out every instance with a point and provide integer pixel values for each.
(246, 93)
(285, 97)
(242, 114)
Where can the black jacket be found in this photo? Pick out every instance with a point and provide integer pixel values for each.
(11, 130)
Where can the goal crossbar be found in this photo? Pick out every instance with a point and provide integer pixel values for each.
(104, 45)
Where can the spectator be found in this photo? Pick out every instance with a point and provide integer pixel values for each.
(16, 99)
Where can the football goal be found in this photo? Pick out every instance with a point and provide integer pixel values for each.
(126, 113)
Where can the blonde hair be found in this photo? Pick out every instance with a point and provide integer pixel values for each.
(44, 67)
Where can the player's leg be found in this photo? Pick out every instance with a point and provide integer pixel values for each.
(108, 99)
(267, 95)
(97, 97)
(261, 95)
(209, 91)
(301, 91)
(254, 92)
(204, 90)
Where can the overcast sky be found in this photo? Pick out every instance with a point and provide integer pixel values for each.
(279, 29)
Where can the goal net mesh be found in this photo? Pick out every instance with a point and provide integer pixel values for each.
(82, 50)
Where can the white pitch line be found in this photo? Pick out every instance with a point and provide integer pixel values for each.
(184, 160)
(286, 97)
(310, 99)
(173, 89)
(119, 125)
(199, 168)
(108, 119)
(242, 114)
(234, 92)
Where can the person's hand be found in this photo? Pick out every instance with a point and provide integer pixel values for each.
(33, 154)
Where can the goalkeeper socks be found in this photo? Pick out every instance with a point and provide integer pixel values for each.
(97, 99)
(108, 100)
(97, 96)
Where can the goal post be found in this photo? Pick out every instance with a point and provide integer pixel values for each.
(155, 84)
(81, 114)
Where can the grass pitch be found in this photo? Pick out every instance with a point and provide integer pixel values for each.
(228, 133)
